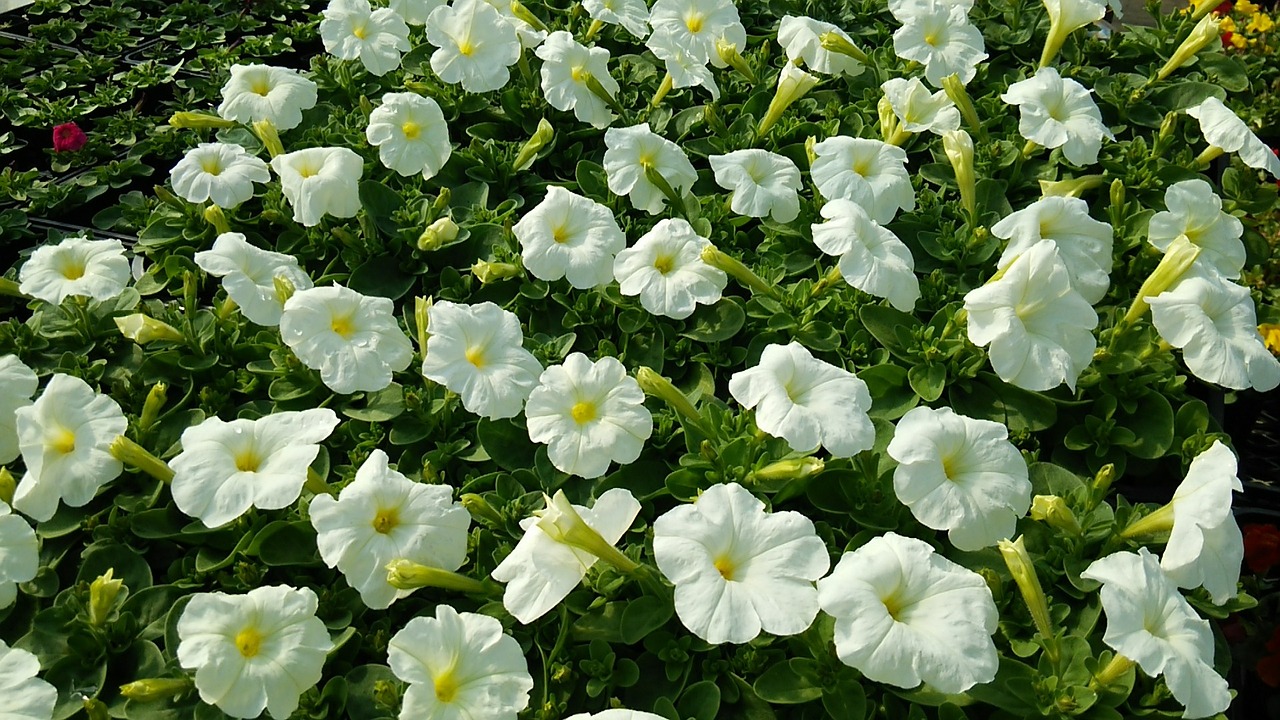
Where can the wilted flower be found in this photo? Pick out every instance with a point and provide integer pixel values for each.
(264, 92)
(353, 30)
(684, 68)
(23, 696)
(569, 236)
(17, 384)
(320, 181)
(75, 266)
(475, 45)
(410, 133)
(763, 183)
(871, 173)
(249, 274)
(19, 559)
(634, 153)
(1084, 244)
(1059, 112)
(938, 35)
(630, 14)
(477, 352)
(1195, 211)
(1223, 129)
(352, 339)
(573, 74)
(221, 172)
(68, 137)
(919, 110)
(697, 24)
(801, 38)
(872, 258)
(665, 268)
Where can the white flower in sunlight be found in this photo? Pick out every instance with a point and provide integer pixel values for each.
(1084, 244)
(906, 615)
(540, 571)
(530, 36)
(259, 650)
(410, 133)
(763, 183)
(801, 38)
(1059, 112)
(567, 68)
(806, 401)
(265, 92)
(696, 25)
(415, 12)
(630, 151)
(569, 236)
(23, 696)
(872, 258)
(630, 14)
(588, 414)
(959, 474)
(1212, 320)
(17, 384)
(64, 436)
(248, 275)
(871, 173)
(904, 10)
(19, 558)
(687, 69)
(1205, 545)
(475, 45)
(1195, 210)
(665, 268)
(616, 714)
(1038, 327)
(225, 468)
(1149, 622)
(220, 172)
(352, 339)
(938, 35)
(76, 266)
(459, 665)
(920, 110)
(739, 570)
(477, 351)
(384, 516)
(320, 181)
(1224, 129)
(353, 30)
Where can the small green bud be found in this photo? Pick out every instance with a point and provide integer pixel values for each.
(154, 689)
(198, 121)
(102, 597)
(438, 234)
(487, 272)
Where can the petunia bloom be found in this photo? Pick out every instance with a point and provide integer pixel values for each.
(1058, 112)
(918, 110)
(475, 45)
(872, 258)
(1195, 210)
(415, 12)
(410, 133)
(219, 172)
(632, 153)
(569, 236)
(76, 266)
(569, 71)
(249, 274)
(264, 92)
(871, 173)
(19, 557)
(353, 30)
(352, 339)
(1084, 244)
(685, 67)
(17, 384)
(764, 184)
(1223, 129)
(801, 38)
(698, 24)
(1205, 544)
(938, 35)
(630, 14)
(23, 696)
(665, 268)
(68, 137)
(477, 351)
(320, 181)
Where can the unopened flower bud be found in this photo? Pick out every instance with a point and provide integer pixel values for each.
(7, 486)
(658, 386)
(562, 523)
(284, 288)
(408, 575)
(1177, 259)
(1206, 31)
(266, 132)
(134, 455)
(1072, 187)
(809, 152)
(480, 509)
(102, 597)
(217, 218)
(541, 138)
(438, 234)
(198, 121)
(154, 689)
(959, 149)
(151, 407)
(422, 320)
(95, 709)
(487, 272)
(730, 56)
(143, 329)
(163, 195)
(713, 256)
(955, 91)
(1024, 574)
(888, 119)
(1053, 510)
(833, 41)
(790, 469)
(793, 84)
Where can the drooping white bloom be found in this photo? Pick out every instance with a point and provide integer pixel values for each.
(1223, 128)
(17, 384)
(665, 268)
(265, 92)
(1067, 16)
(1205, 545)
(23, 696)
(1149, 622)
(906, 615)
(530, 36)
(905, 10)
(806, 401)
(540, 571)
(616, 714)
(459, 665)
(567, 67)
(475, 45)
(254, 651)
(64, 438)
(352, 339)
(630, 14)
(871, 173)
(1084, 244)
(939, 36)
(320, 181)
(1195, 210)
(384, 516)
(630, 151)
(801, 38)
(569, 236)
(415, 12)
(76, 266)
(763, 183)
(221, 172)
(353, 30)
(248, 275)
(739, 570)
(959, 474)
(589, 414)
(686, 68)
(477, 352)
(872, 258)
(1059, 112)
(920, 110)
(19, 558)
(225, 468)
(697, 24)
(1039, 329)
(410, 133)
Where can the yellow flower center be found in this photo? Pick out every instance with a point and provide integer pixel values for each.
(949, 467)
(247, 460)
(73, 268)
(343, 326)
(664, 263)
(583, 412)
(211, 166)
(894, 605)
(646, 159)
(307, 170)
(725, 567)
(475, 356)
(359, 31)
(694, 21)
(260, 86)
(386, 520)
(560, 234)
(63, 441)
(579, 74)
(411, 130)
(466, 48)
(931, 38)
(249, 642)
(862, 166)
(446, 686)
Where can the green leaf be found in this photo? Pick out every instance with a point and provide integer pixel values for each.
(716, 323)
(990, 398)
(362, 701)
(928, 381)
(379, 406)
(125, 562)
(381, 202)
(891, 395)
(845, 699)
(1049, 479)
(507, 443)
(644, 615)
(383, 276)
(1184, 95)
(790, 682)
(283, 543)
(418, 60)
(887, 326)
(592, 181)
(700, 701)
(1152, 426)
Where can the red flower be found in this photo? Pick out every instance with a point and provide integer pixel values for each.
(1261, 549)
(1224, 8)
(1269, 667)
(68, 137)
(1226, 40)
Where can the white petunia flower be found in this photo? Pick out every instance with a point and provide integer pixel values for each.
(264, 92)
(23, 696)
(1059, 112)
(477, 351)
(589, 414)
(939, 36)
(254, 651)
(410, 133)
(1039, 329)
(1205, 545)
(353, 30)
(225, 468)
(961, 475)
(871, 173)
(872, 258)
(801, 38)
(459, 665)
(415, 12)
(17, 384)
(665, 268)
(1084, 244)
(616, 714)
(76, 266)
(541, 571)
(1195, 210)
(687, 69)
(696, 25)
(905, 10)
(567, 68)
(920, 110)
(806, 401)
(384, 516)
(64, 438)
(569, 236)
(320, 181)
(630, 151)
(1149, 622)
(1222, 128)
(530, 36)
(739, 570)
(19, 558)
(763, 183)
(248, 275)
(352, 339)
(906, 615)
(221, 172)
(630, 14)
(475, 45)
(1065, 17)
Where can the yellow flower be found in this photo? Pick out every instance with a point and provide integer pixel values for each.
(1239, 41)
(1228, 26)
(1260, 23)
(1246, 8)
(1271, 336)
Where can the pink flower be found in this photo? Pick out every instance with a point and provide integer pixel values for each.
(68, 137)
